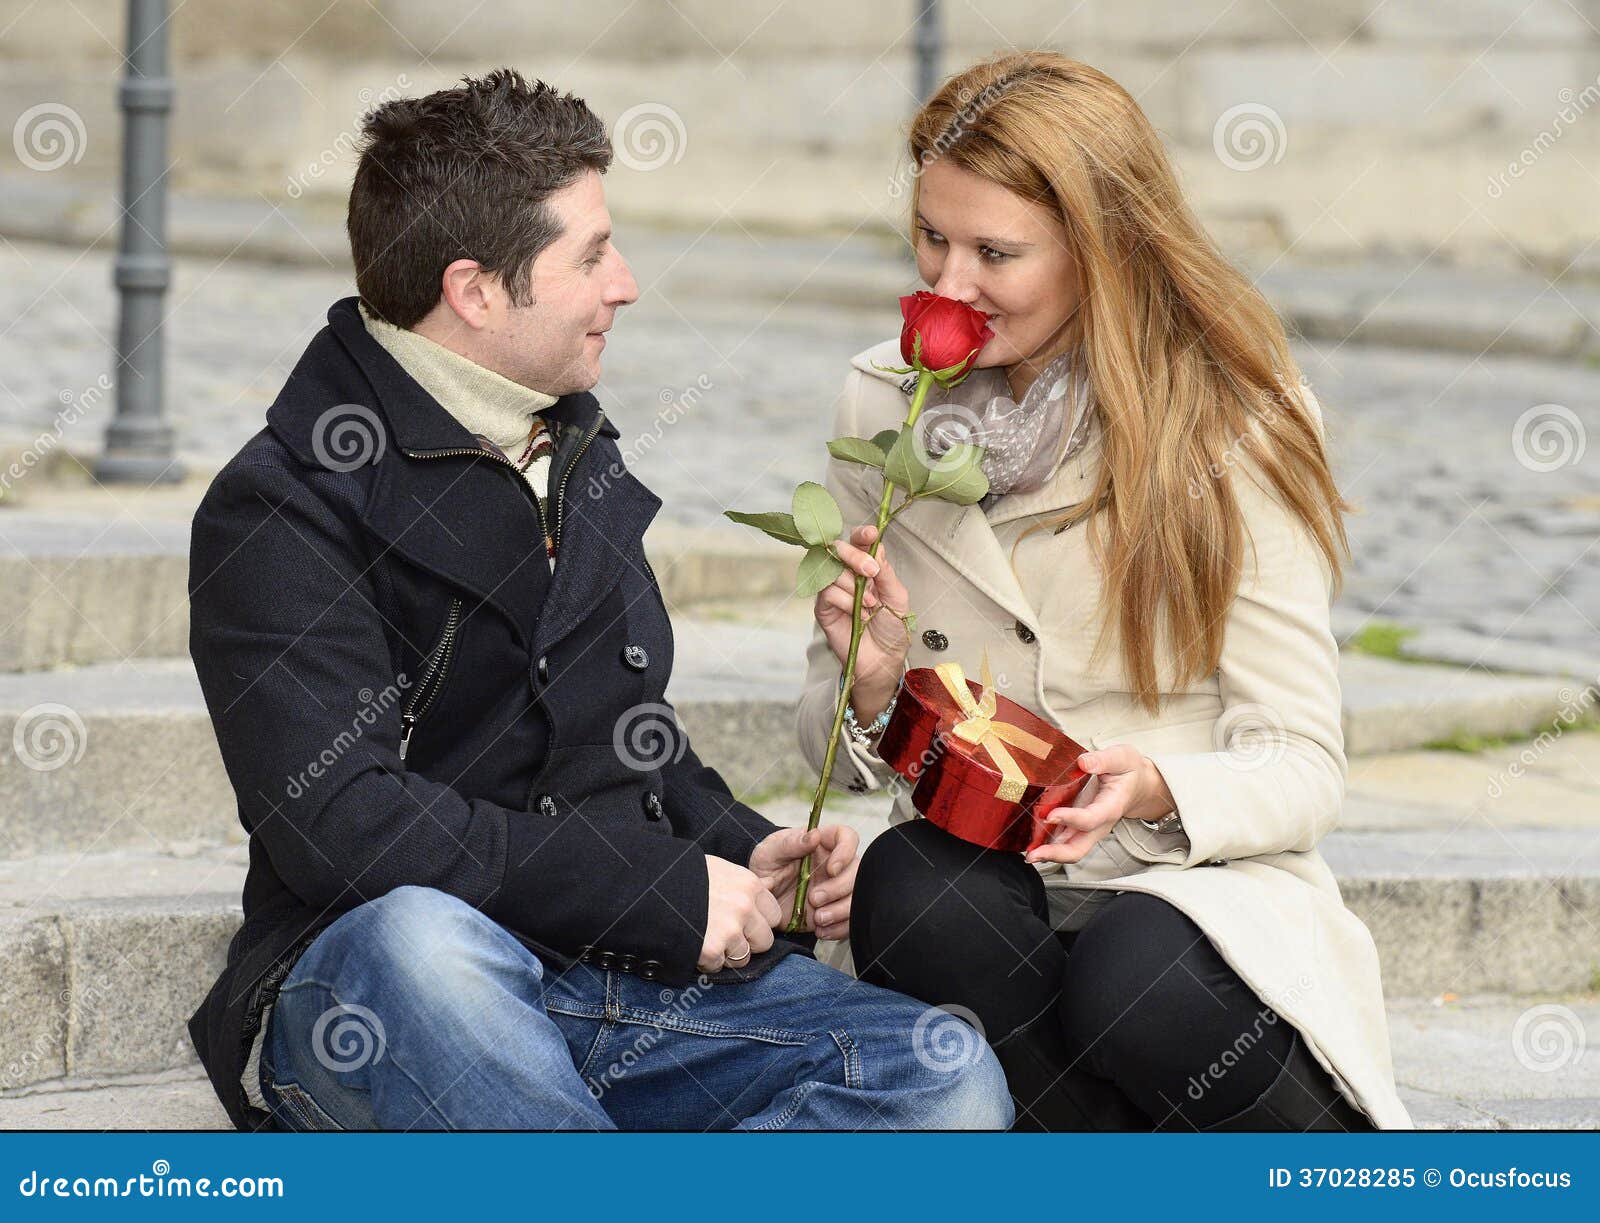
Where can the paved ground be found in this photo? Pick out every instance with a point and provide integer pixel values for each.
(726, 400)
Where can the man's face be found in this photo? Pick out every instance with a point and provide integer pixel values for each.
(577, 283)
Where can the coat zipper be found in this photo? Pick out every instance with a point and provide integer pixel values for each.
(561, 491)
(496, 457)
(433, 677)
(439, 660)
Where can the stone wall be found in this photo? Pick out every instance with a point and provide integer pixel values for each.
(1311, 129)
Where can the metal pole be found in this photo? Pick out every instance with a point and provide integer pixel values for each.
(928, 48)
(140, 445)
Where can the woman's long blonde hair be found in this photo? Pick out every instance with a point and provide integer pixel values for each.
(1189, 365)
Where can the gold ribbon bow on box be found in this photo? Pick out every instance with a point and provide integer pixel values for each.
(980, 727)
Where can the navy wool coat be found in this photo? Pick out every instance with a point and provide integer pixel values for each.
(404, 694)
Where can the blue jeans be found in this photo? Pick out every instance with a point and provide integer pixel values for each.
(415, 1011)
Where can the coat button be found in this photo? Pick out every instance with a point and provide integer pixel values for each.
(935, 640)
(605, 960)
(1025, 634)
(652, 805)
(627, 963)
(635, 657)
(547, 806)
(544, 670)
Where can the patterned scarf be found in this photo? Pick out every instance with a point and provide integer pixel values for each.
(1022, 441)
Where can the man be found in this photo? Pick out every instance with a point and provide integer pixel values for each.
(485, 865)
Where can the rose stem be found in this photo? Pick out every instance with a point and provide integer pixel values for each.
(797, 915)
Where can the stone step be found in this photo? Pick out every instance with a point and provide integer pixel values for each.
(1459, 1065)
(103, 956)
(88, 585)
(123, 754)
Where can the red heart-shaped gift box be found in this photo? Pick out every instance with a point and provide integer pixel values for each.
(957, 782)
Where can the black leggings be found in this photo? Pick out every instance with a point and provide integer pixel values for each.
(1159, 1033)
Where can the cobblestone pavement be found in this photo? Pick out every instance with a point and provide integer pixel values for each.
(1480, 501)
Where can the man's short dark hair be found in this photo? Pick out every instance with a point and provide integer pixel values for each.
(464, 174)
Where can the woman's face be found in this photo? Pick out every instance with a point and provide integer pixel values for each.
(982, 244)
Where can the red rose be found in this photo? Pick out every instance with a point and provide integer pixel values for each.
(951, 334)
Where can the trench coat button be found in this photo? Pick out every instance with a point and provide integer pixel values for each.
(652, 805)
(935, 640)
(635, 657)
(1025, 634)
(547, 806)
(544, 669)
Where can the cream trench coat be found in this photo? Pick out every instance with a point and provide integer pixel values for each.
(1253, 754)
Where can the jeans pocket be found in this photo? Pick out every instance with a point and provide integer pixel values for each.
(303, 1113)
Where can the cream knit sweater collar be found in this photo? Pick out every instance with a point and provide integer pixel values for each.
(483, 401)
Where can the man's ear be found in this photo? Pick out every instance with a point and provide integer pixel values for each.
(468, 291)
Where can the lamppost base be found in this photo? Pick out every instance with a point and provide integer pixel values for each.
(139, 455)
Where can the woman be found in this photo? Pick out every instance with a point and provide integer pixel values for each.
(1177, 956)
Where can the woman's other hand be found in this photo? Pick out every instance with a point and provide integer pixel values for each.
(882, 654)
(1131, 788)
